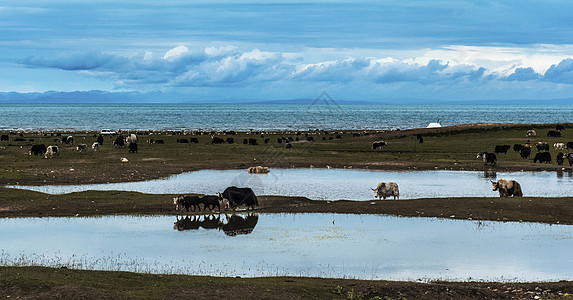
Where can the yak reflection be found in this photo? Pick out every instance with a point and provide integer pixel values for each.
(232, 226)
(238, 225)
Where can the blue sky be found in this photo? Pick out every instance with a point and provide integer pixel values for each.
(361, 50)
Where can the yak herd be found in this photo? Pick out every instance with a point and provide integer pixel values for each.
(234, 197)
(525, 150)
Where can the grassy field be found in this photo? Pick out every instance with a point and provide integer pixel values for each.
(48, 283)
(452, 148)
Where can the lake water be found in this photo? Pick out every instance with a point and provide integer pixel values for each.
(337, 184)
(243, 117)
(321, 245)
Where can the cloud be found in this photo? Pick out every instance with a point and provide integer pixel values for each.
(230, 69)
(561, 73)
(176, 53)
(236, 69)
(523, 74)
(73, 61)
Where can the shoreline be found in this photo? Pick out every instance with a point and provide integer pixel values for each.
(444, 148)
(42, 282)
(548, 210)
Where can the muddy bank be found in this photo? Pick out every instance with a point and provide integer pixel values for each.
(42, 283)
(23, 203)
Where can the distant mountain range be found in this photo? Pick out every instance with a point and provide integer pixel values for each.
(158, 97)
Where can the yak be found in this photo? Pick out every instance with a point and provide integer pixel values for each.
(488, 158)
(186, 201)
(238, 196)
(386, 189)
(507, 188)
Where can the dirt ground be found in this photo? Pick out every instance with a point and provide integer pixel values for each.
(47, 283)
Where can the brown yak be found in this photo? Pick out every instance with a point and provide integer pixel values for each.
(507, 188)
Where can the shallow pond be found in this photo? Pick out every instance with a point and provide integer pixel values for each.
(336, 184)
(322, 245)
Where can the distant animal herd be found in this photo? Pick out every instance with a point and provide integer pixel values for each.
(524, 150)
(234, 197)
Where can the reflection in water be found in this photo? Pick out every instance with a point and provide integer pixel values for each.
(314, 245)
(336, 184)
(238, 225)
(489, 173)
(234, 225)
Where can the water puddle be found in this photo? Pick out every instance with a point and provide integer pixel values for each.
(336, 184)
(321, 245)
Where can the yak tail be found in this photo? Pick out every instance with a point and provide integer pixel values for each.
(517, 189)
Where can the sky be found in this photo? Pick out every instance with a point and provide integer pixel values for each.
(197, 51)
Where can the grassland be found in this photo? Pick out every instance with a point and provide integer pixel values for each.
(48, 283)
(451, 148)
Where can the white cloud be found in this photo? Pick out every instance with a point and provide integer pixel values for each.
(176, 53)
(443, 72)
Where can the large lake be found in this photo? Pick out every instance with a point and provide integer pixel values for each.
(242, 117)
(318, 245)
(336, 184)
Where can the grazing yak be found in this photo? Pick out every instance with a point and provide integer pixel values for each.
(531, 132)
(186, 201)
(253, 142)
(569, 157)
(542, 146)
(100, 139)
(119, 142)
(68, 140)
(502, 148)
(258, 170)
(560, 158)
(488, 158)
(377, 145)
(82, 147)
(239, 196)
(132, 147)
(210, 202)
(559, 127)
(542, 157)
(131, 139)
(507, 188)
(4, 138)
(95, 146)
(39, 149)
(569, 145)
(552, 133)
(52, 151)
(517, 147)
(559, 145)
(386, 189)
(525, 152)
(217, 140)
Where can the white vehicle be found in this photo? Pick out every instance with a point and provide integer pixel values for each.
(108, 132)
